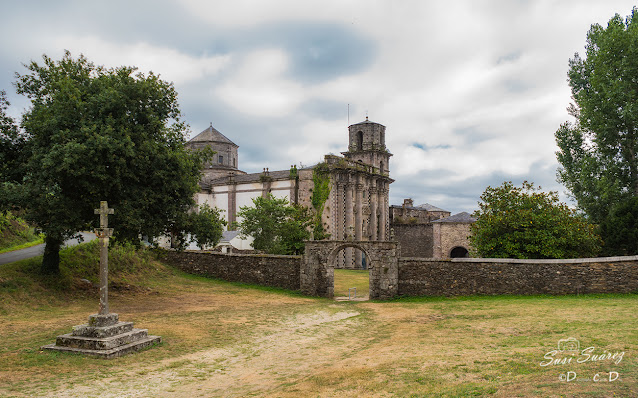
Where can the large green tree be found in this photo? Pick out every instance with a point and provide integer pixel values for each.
(12, 145)
(598, 152)
(97, 133)
(276, 226)
(524, 222)
(620, 229)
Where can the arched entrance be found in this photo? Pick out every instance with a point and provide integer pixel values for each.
(352, 281)
(459, 252)
(317, 273)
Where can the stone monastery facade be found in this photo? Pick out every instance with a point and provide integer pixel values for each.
(350, 193)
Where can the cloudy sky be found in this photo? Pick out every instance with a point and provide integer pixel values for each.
(471, 92)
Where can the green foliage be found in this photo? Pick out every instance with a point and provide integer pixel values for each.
(294, 173)
(14, 231)
(125, 260)
(276, 226)
(320, 194)
(597, 154)
(525, 222)
(12, 149)
(102, 134)
(205, 226)
(620, 229)
(129, 266)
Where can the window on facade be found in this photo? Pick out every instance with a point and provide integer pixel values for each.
(360, 141)
(381, 168)
(221, 159)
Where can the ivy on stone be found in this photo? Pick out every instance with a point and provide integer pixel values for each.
(320, 194)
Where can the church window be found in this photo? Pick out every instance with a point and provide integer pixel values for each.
(360, 141)
(381, 168)
(234, 162)
(221, 159)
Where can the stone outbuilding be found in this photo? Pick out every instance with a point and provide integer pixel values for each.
(428, 231)
(451, 236)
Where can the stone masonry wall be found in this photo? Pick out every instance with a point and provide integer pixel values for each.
(475, 276)
(451, 236)
(265, 270)
(415, 239)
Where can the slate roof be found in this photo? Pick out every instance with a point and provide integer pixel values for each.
(461, 218)
(227, 236)
(429, 207)
(366, 122)
(252, 177)
(211, 134)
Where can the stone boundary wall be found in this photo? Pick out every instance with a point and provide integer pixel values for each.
(259, 269)
(416, 240)
(480, 276)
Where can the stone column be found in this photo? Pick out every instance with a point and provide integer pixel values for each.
(340, 233)
(232, 204)
(383, 210)
(358, 221)
(373, 211)
(349, 232)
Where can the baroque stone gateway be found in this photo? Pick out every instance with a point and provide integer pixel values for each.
(349, 195)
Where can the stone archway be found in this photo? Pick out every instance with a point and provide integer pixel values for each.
(317, 272)
(459, 252)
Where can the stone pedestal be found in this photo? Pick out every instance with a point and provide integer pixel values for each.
(105, 337)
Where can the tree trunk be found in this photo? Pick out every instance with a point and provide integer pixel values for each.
(51, 258)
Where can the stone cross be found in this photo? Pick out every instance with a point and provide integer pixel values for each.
(104, 233)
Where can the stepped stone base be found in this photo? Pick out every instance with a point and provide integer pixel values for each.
(105, 337)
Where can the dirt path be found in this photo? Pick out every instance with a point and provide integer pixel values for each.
(262, 363)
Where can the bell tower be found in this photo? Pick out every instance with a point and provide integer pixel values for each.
(367, 145)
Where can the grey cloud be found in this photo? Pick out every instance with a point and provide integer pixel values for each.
(426, 148)
(319, 51)
(507, 58)
(328, 110)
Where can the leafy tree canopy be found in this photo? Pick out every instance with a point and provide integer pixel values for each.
(12, 145)
(205, 226)
(620, 229)
(102, 134)
(276, 226)
(525, 222)
(597, 153)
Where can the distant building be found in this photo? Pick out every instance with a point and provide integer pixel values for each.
(232, 241)
(356, 206)
(357, 202)
(431, 232)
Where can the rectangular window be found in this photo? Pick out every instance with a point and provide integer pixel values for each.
(221, 159)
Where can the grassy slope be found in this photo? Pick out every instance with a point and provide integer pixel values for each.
(268, 342)
(16, 234)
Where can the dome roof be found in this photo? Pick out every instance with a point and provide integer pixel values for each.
(212, 135)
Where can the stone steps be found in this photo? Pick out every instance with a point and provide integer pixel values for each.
(102, 331)
(105, 337)
(138, 345)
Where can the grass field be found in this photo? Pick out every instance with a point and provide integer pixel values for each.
(345, 279)
(232, 340)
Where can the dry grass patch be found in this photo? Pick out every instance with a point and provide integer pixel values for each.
(225, 339)
(345, 279)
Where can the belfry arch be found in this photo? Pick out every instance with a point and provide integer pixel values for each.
(317, 272)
